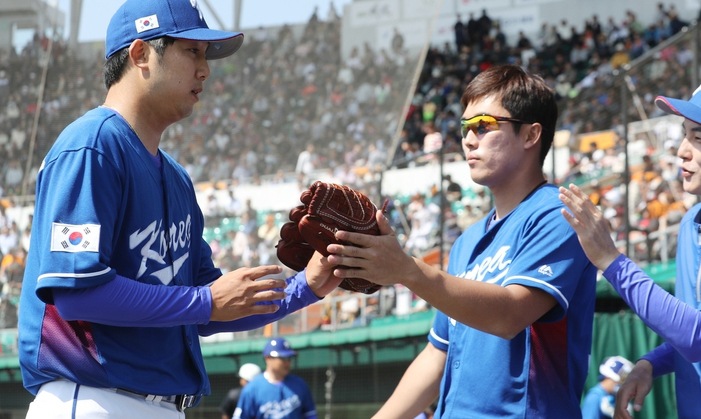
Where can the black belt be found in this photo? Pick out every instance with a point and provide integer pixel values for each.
(181, 401)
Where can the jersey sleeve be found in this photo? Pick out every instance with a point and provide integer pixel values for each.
(438, 335)
(550, 258)
(297, 295)
(678, 323)
(662, 359)
(69, 220)
(128, 303)
(308, 406)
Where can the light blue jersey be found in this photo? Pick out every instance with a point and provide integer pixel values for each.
(541, 371)
(688, 289)
(676, 320)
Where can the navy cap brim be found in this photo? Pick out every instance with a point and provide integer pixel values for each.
(221, 44)
(679, 107)
(281, 354)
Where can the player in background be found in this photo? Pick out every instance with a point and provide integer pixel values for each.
(600, 400)
(676, 319)
(276, 394)
(513, 333)
(119, 283)
(247, 373)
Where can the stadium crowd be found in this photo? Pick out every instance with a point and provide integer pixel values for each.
(289, 90)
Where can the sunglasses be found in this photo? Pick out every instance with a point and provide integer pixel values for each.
(482, 124)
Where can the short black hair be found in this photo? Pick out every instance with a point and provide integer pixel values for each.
(116, 64)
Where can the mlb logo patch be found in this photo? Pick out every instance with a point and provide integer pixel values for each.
(146, 23)
(75, 238)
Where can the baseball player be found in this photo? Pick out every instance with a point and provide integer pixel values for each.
(513, 332)
(247, 373)
(119, 283)
(600, 400)
(676, 320)
(276, 394)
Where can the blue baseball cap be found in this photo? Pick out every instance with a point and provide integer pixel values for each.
(616, 368)
(181, 19)
(278, 348)
(689, 109)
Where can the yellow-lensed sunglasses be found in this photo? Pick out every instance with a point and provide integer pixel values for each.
(484, 123)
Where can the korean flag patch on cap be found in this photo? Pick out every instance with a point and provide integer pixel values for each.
(75, 238)
(146, 23)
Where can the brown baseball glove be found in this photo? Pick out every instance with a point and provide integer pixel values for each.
(326, 208)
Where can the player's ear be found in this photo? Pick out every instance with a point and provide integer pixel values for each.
(139, 52)
(533, 133)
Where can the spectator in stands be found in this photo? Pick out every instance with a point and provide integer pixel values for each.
(9, 238)
(460, 31)
(306, 163)
(433, 141)
(231, 205)
(516, 274)
(453, 190)
(676, 320)
(423, 218)
(676, 24)
(117, 264)
(269, 231)
(13, 177)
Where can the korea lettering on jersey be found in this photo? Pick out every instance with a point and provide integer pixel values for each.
(131, 218)
(534, 247)
(153, 244)
(280, 408)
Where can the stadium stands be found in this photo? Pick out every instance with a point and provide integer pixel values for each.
(289, 90)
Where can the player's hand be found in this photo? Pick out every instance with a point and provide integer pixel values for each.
(320, 277)
(241, 293)
(636, 386)
(593, 230)
(379, 259)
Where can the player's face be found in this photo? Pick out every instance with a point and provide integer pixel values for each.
(178, 78)
(492, 146)
(690, 154)
(280, 366)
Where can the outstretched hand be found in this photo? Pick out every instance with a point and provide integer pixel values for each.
(592, 228)
(379, 259)
(241, 293)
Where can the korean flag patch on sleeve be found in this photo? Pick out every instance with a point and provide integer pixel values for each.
(75, 238)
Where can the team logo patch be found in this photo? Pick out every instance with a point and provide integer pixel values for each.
(546, 270)
(147, 23)
(75, 238)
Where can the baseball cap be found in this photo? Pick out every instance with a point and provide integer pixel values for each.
(689, 109)
(182, 19)
(278, 348)
(616, 368)
(249, 371)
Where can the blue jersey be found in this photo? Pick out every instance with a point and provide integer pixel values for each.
(598, 403)
(104, 208)
(290, 399)
(687, 375)
(676, 320)
(541, 371)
